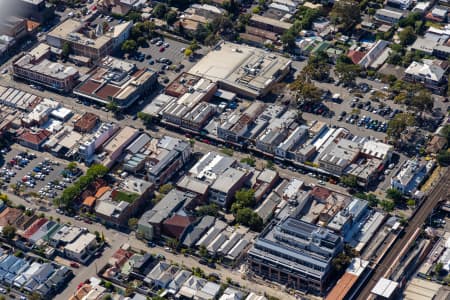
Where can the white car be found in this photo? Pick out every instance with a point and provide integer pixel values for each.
(2, 290)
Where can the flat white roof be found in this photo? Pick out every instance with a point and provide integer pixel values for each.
(384, 288)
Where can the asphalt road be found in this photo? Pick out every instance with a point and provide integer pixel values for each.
(440, 191)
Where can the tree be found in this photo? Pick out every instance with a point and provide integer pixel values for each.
(407, 36)
(345, 14)
(129, 46)
(245, 198)
(305, 91)
(387, 205)
(249, 161)
(112, 106)
(399, 123)
(146, 118)
(132, 223)
(173, 243)
(9, 232)
(165, 188)
(194, 45)
(202, 251)
(72, 166)
(411, 202)
(34, 296)
(188, 52)
(171, 17)
(247, 217)
(66, 49)
(422, 101)
(208, 210)
(395, 195)
(160, 10)
(346, 70)
(349, 180)
(438, 268)
(317, 67)
(270, 165)
(443, 158)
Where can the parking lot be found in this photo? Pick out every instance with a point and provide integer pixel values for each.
(173, 51)
(33, 174)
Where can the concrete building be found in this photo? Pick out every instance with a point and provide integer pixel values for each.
(269, 24)
(116, 81)
(92, 142)
(388, 16)
(402, 4)
(171, 156)
(226, 185)
(191, 109)
(82, 248)
(296, 137)
(429, 73)
(241, 69)
(410, 176)
(14, 27)
(296, 254)
(86, 41)
(337, 156)
(35, 67)
(374, 54)
(116, 145)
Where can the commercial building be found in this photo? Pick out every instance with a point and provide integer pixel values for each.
(241, 69)
(379, 52)
(35, 67)
(410, 176)
(86, 122)
(296, 254)
(92, 142)
(14, 27)
(402, 4)
(116, 81)
(191, 109)
(337, 156)
(87, 41)
(117, 144)
(170, 156)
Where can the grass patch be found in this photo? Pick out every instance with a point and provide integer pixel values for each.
(124, 196)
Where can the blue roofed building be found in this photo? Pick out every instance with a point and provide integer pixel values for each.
(296, 254)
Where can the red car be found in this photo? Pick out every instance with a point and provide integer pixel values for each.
(162, 49)
(74, 265)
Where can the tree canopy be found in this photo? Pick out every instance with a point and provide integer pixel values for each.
(345, 14)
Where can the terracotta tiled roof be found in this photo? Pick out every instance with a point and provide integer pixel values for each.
(355, 56)
(89, 201)
(35, 138)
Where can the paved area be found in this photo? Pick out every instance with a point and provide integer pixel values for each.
(22, 174)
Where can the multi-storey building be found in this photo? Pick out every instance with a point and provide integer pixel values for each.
(296, 254)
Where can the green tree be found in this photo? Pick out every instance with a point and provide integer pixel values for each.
(112, 106)
(165, 188)
(395, 195)
(443, 158)
(34, 296)
(407, 36)
(160, 10)
(146, 118)
(72, 166)
(66, 49)
(439, 268)
(193, 46)
(346, 70)
(349, 180)
(270, 165)
(345, 14)
(9, 232)
(249, 161)
(422, 101)
(171, 17)
(208, 210)
(188, 52)
(173, 243)
(387, 205)
(305, 91)
(243, 198)
(399, 123)
(411, 202)
(203, 252)
(247, 217)
(129, 46)
(132, 223)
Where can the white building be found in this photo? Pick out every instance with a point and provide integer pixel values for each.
(88, 147)
(81, 249)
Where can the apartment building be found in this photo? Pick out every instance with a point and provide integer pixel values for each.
(429, 73)
(296, 254)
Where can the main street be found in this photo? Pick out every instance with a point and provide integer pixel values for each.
(440, 191)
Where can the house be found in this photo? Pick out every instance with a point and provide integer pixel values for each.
(177, 282)
(429, 73)
(231, 294)
(376, 56)
(176, 226)
(388, 16)
(195, 232)
(436, 144)
(82, 248)
(9, 216)
(33, 139)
